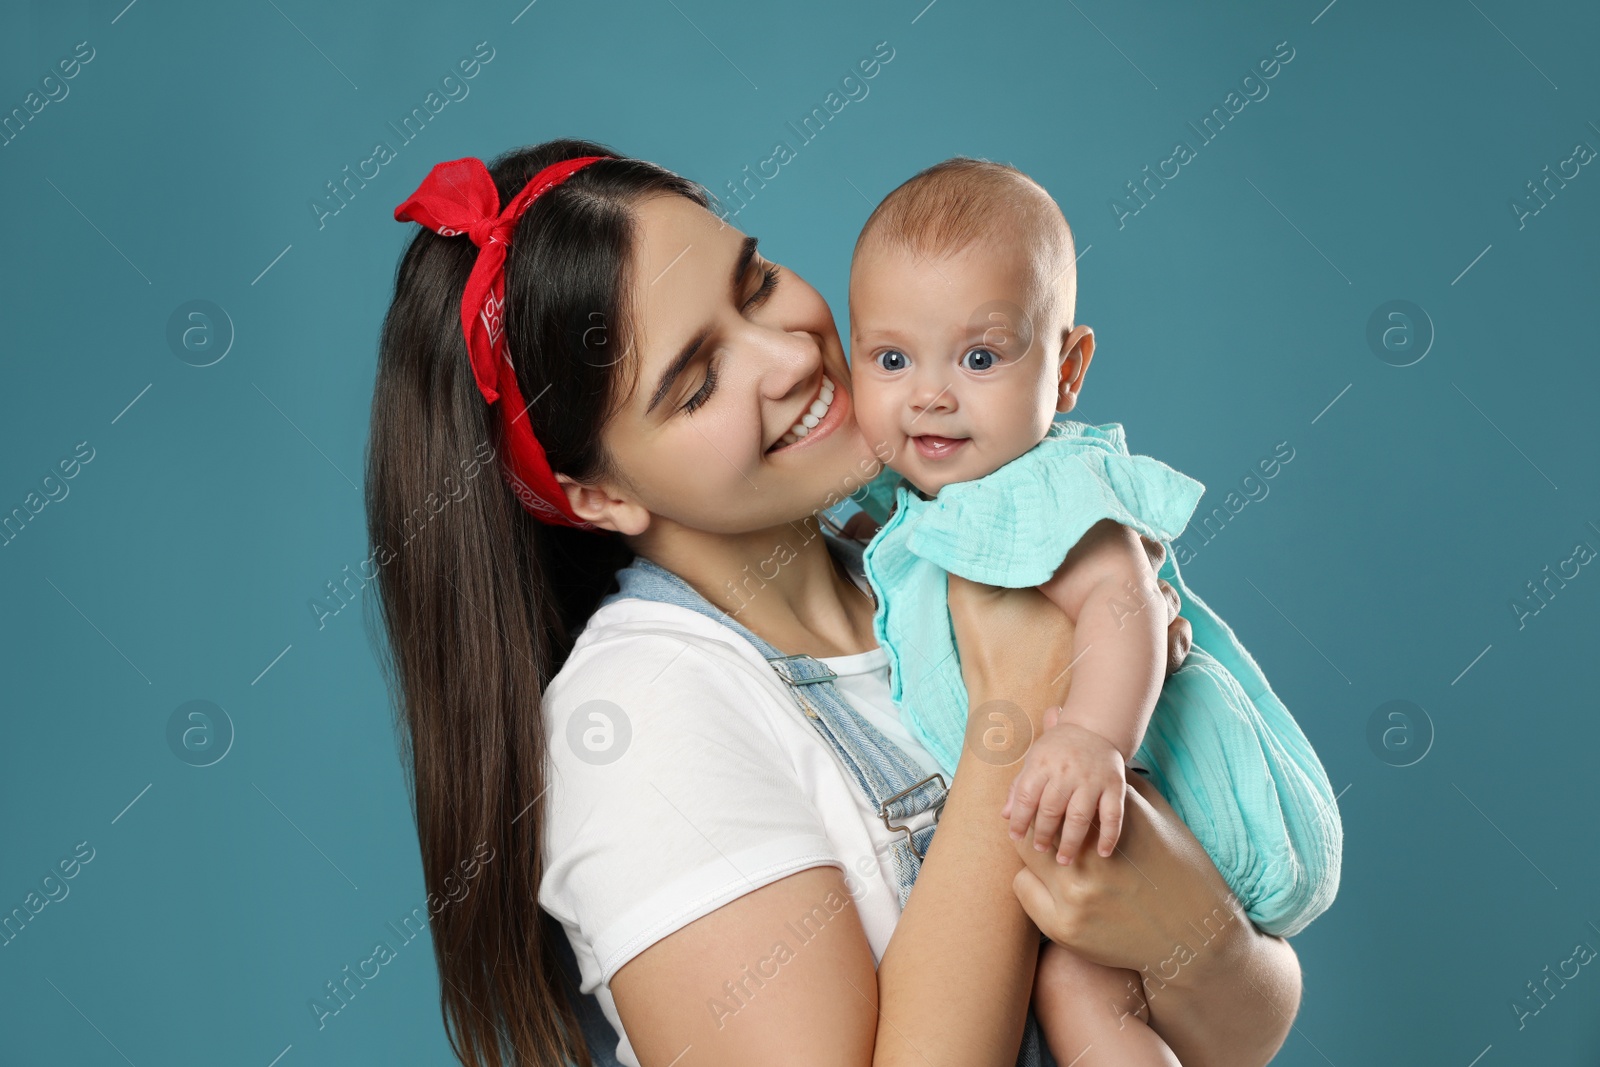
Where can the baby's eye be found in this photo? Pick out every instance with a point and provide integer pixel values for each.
(892, 359)
(982, 359)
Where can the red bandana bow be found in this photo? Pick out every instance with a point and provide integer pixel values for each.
(459, 197)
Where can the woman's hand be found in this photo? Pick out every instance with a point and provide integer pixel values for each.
(1220, 991)
(1132, 908)
(1180, 635)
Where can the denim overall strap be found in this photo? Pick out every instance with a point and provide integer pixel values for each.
(896, 786)
(891, 781)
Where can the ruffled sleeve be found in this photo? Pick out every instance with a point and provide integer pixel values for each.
(1013, 527)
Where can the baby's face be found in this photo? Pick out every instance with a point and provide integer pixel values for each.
(953, 361)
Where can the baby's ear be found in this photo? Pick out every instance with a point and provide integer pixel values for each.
(1077, 350)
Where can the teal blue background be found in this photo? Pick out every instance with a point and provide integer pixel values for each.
(1385, 559)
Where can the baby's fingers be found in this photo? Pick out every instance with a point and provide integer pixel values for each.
(1024, 801)
(1080, 811)
(1110, 820)
(1053, 804)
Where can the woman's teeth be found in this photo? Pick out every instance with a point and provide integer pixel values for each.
(813, 415)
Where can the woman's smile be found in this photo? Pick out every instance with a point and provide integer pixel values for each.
(829, 408)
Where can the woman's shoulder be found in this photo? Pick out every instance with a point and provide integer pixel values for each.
(626, 625)
(675, 785)
(632, 648)
(678, 694)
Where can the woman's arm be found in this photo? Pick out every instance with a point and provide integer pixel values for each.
(1015, 646)
(1221, 991)
(953, 984)
(719, 992)
(959, 920)
(952, 987)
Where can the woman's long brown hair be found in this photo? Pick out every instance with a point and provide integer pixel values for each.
(479, 601)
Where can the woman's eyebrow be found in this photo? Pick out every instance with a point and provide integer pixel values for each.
(747, 252)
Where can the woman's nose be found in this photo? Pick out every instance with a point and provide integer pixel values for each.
(792, 360)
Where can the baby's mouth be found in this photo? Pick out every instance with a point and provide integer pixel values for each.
(932, 446)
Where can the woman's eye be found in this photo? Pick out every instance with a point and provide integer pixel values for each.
(704, 392)
(769, 282)
(980, 359)
(892, 359)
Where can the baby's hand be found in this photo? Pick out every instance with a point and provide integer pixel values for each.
(1070, 772)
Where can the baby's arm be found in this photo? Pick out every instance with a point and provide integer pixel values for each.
(1107, 588)
(1075, 768)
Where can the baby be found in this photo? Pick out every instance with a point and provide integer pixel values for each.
(964, 348)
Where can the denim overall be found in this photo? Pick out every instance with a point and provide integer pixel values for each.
(893, 783)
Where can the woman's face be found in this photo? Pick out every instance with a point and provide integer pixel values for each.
(730, 352)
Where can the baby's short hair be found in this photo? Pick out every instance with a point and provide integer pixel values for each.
(943, 209)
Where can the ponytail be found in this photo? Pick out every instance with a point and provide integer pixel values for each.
(478, 600)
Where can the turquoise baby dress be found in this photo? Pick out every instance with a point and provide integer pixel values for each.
(1221, 747)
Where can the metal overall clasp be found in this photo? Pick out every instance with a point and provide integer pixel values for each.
(938, 809)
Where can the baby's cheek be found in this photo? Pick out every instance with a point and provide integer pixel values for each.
(872, 410)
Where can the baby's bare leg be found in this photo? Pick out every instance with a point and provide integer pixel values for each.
(1094, 1016)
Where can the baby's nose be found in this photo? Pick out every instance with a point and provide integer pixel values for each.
(934, 393)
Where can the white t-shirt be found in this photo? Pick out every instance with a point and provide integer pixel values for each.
(717, 786)
(683, 776)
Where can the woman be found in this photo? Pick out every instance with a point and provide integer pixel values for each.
(665, 359)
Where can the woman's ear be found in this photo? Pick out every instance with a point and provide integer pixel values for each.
(596, 504)
(1077, 350)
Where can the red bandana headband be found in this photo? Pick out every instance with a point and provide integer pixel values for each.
(460, 197)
